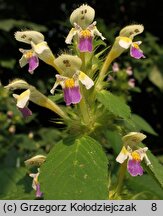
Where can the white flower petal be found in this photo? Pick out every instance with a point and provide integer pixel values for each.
(15, 96)
(138, 42)
(59, 81)
(123, 155)
(35, 179)
(23, 98)
(54, 87)
(85, 80)
(96, 32)
(40, 47)
(33, 175)
(142, 152)
(70, 36)
(147, 161)
(92, 26)
(125, 42)
(23, 61)
(44, 52)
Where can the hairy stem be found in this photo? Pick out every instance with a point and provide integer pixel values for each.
(83, 105)
(84, 110)
(82, 56)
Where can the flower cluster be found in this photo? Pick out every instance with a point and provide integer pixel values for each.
(116, 68)
(80, 76)
(69, 66)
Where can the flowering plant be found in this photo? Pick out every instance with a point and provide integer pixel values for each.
(95, 119)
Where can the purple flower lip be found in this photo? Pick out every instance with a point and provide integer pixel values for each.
(136, 53)
(134, 167)
(85, 44)
(85, 36)
(39, 194)
(33, 63)
(25, 112)
(72, 95)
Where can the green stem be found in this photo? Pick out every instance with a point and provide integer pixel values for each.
(82, 56)
(83, 106)
(121, 176)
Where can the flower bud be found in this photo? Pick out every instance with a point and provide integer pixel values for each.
(131, 82)
(10, 114)
(31, 135)
(129, 70)
(12, 129)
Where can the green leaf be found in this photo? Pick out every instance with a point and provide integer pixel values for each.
(115, 140)
(114, 104)
(160, 158)
(156, 77)
(98, 43)
(25, 142)
(75, 169)
(8, 24)
(9, 63)
(15, 184)
(18, 195)
(141, 124)
(142, 185)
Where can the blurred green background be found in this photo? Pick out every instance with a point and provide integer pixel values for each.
(23, 138)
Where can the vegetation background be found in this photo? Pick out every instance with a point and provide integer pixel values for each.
(19, 138)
